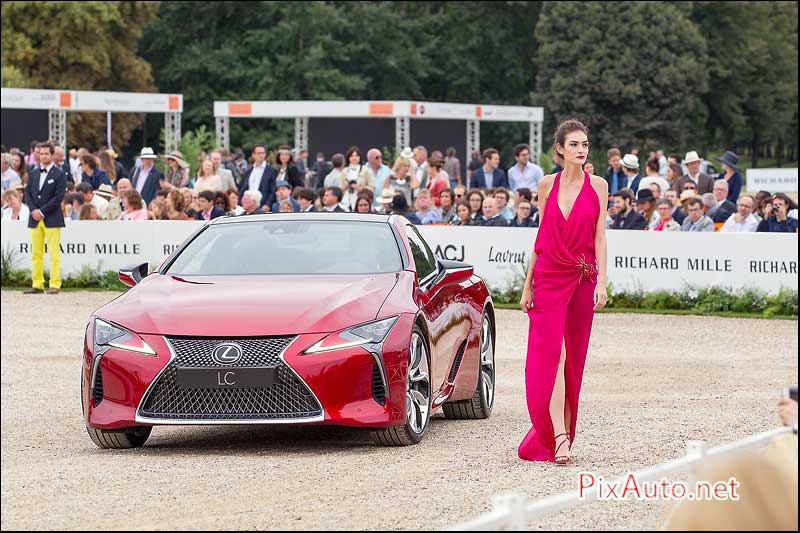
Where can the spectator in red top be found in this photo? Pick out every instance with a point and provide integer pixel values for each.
(437, 181)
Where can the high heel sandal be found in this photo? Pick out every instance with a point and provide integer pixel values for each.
(562, 459)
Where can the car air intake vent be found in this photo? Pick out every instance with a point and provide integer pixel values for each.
(378, 390)
(457, 363)
(98, 387)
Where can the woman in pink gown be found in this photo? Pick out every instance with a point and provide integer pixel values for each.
(566, 284)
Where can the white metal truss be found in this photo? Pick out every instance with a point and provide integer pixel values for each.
(172, 131)
(301, 133)
(535, 141)
(402, 133)
(473, 138)
(223, 132)
(57, 126)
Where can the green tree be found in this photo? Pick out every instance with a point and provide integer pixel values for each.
(342, 50)
(79, 46)
(632, 71)
(752, 64)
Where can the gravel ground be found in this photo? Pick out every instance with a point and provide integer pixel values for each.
(651, 383)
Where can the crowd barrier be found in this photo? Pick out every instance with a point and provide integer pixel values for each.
(513, 511)
(637, 260)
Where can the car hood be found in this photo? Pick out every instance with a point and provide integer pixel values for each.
(230, 306)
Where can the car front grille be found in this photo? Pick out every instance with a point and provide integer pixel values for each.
(288, 398)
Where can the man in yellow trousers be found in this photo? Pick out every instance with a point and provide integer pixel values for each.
(44, 192)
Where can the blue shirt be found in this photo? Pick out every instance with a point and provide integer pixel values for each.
(528, 178)
(433, 216)
(614, 181)
(383, 173)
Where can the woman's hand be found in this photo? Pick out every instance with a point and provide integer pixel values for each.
(600, 297)
(526, 302)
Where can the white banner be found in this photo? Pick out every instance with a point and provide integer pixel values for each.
(772, 179)
(636, 259)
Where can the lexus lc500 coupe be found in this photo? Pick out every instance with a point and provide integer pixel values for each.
(343, 319)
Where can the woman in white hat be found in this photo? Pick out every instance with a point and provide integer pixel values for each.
(178, 173)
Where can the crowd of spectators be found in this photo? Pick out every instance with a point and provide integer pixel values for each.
(674, 194)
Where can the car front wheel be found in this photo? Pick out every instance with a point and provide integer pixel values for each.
(418, 397)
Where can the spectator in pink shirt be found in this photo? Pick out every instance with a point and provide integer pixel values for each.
(133, 206)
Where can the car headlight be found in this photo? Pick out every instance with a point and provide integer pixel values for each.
(107, 334)
(370, 333)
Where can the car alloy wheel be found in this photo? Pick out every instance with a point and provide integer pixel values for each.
(487, 363)
(418, 390)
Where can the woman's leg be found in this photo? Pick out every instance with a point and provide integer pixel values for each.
(557, 412)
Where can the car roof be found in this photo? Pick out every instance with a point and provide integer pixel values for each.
(348, 217)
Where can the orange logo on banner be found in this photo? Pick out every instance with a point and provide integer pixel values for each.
(245, 108)
(414, 108)
(65, 99)
(381, 109)
(173, 103)
(478, 111)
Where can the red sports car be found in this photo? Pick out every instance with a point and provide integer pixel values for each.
(323, 318)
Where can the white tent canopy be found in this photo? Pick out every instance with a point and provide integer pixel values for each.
(401, 111)
(58, 102)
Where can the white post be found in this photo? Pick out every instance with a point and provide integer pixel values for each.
(223, 133)
(514, 505)
(695, 452)
(108, 129)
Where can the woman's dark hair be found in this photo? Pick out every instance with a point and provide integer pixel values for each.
(219, 195)
(567, 127)
(350, 152)
(465, 203)
(365, 198)
(435, 162)
(88, 159)
(134, 199)
(278, 155)
(469, 197)
(652, 164)
(788, 201)
(677, 171)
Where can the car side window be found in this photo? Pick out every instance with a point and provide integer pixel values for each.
(423, 256)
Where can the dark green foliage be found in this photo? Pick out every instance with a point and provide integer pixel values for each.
(633, 71)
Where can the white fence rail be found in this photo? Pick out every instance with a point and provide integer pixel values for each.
(636, 259)
(513, 511)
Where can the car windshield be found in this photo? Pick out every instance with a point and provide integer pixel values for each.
(290, 247)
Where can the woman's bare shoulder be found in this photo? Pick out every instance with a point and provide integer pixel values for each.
(547, 181)
(599, 183)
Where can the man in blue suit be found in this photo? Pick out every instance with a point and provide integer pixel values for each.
(147, 179)
(489, 176)
(44, 192)
(208, 211)
(260, 177)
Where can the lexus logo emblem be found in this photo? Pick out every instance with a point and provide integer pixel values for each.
(227, 353)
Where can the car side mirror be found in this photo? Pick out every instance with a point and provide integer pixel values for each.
(451, 272)
(133, 275)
